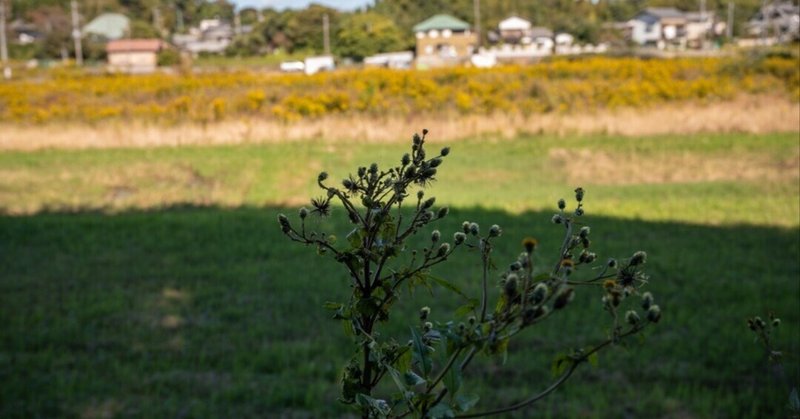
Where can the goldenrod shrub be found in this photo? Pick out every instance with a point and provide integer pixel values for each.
(561, 85)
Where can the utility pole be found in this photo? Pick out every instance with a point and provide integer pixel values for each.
(476, 11)
(3, 45)
(729, 28)
(326, 37)
(76, 33)
(704, 19)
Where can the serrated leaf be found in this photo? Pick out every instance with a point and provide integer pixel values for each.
(464, 402)
(420, 355)
(448, 285)
(467, 308)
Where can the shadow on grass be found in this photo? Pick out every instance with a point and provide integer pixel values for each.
(210, 312)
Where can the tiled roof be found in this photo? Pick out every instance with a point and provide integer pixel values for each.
(441, 22)
(135, 45)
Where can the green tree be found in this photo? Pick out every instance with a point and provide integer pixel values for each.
(363, 34)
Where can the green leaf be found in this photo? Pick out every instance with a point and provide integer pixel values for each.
(594, 360)
(560, 364)
(348, 328)
(464, 402)
(396, 378)
(452, 380)
(420, 353)
(412, 379)
(354, 238)
(332, 306)
(448, 285)
(441, 411)
(499, 347)
(467, 308)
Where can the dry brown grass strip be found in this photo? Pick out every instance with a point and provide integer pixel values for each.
(753, 114)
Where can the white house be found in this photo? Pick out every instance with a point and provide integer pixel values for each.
(658, 26)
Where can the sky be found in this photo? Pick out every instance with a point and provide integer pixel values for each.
(300, 4)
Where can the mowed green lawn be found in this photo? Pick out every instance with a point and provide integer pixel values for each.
(155, 282)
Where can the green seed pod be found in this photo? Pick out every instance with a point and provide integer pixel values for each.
(579, 212)
(562, 204)
(436, 162)
(612, 263)
(459, 237)
(443, 211)
(445, 151)
(579, 194)
(647, 300)
(638, 258)
(556, 219)
(585, 230)
(539, 294)
(563, 298)
(632, 317)
(474, 229)
(435, 236)
(443, 249)
(654, 313)
(465, 227)
(429, 202)
(424, 312)
(303, 212)
(406, 159)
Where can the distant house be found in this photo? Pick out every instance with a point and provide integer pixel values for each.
(108, 27)
(658, 26)
(134, 55)
(399, 60)
(780, 20)
(24, 33)
(212, 36)
(444, 40)
(515, 30)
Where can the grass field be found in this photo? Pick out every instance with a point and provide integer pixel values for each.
(155, 282)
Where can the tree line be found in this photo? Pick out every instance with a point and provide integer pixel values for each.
(384, 25)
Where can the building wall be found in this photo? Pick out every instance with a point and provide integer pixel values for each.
(445, 44)
(640, 33)
(133, 61)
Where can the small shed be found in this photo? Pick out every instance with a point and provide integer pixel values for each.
(134, 55)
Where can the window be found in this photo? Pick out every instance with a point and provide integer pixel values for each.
(433, 33)
(447, 33)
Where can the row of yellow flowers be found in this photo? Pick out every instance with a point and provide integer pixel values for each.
(556, 86)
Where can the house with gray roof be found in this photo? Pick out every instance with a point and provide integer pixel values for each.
(665, 27)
